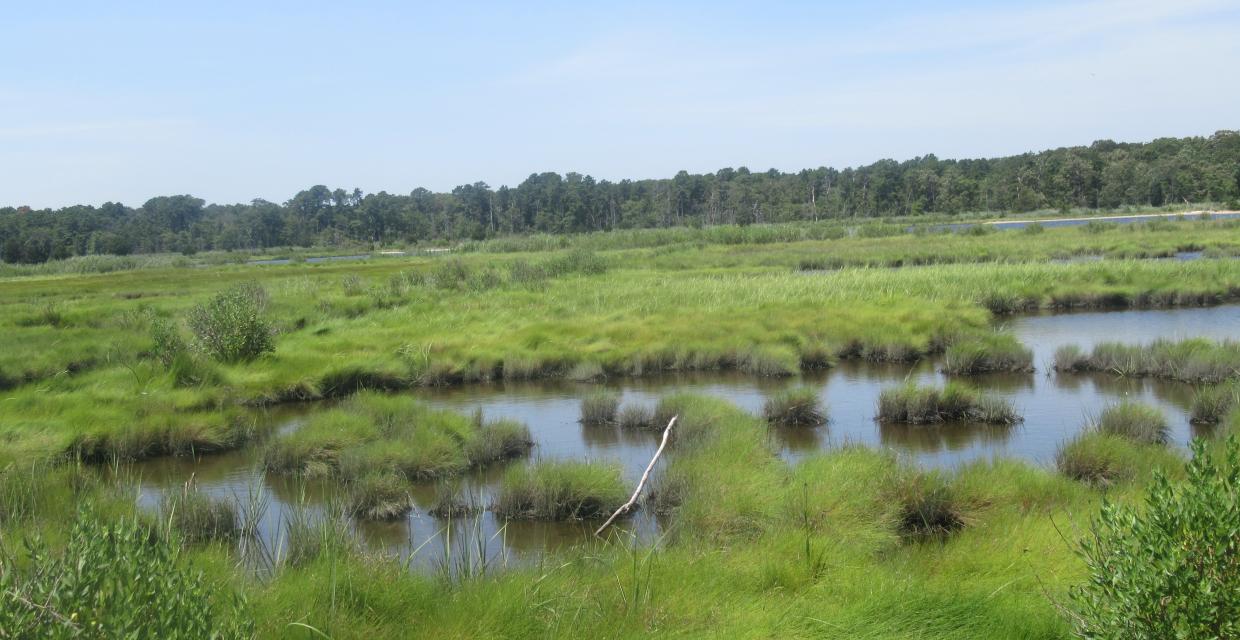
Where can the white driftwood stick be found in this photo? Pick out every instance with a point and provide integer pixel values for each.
(641, 483)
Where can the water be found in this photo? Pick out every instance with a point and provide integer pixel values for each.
(1077, 222)
(312, 260)
(1055, 408)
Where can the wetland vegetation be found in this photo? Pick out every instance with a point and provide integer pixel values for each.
(104, 373)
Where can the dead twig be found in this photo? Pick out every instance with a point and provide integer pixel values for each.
(641, 483)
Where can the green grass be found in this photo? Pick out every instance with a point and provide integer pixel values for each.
(198, 517)
(378, 496)
(1193, 360)
(1104, 459)
(560, 490)
(1213, 403)
(987, 353)
(922, 405)
(1134, 421)
(600, 408)
(373, 432)
(798, 407)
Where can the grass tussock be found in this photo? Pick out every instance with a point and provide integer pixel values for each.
(1133, 421)
(600, 407)
(996, 352)
(928, 507)
(1105, 460)
(200, 517)
(911, 404)
(560, 490)
(1212, 404)
(378, 496)
(636, 417)
(799, 407)
(1195, 360)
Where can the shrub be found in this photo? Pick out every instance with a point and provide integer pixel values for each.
(119, 580)
(167, 345)
(798, 407)
(230, 327)
(600, 407)
(1134, 421)
(561, 490)
(1169, 569)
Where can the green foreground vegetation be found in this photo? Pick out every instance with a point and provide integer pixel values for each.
(853, 542)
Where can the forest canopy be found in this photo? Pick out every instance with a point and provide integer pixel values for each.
(1103, 175)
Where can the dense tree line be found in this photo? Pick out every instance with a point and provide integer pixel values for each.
(1105, 174)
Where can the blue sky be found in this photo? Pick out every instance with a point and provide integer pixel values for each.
(232, 101)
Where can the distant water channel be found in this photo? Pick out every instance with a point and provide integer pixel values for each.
(1054, 407)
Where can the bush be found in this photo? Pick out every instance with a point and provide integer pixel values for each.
(798, 407)
(1170, 569)
(230, 327)
(119, 580)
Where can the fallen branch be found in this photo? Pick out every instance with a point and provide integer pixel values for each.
(641, 483)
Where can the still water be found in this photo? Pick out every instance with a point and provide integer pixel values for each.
(1055, 408)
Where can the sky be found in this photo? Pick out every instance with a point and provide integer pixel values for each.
(232, 101)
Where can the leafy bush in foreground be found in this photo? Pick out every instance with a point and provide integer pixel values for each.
(119, 580)
(230, 327)
(1171, 569)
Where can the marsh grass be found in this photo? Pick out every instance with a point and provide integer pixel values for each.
(1213, 403)
(1193, 360)
(600, 407)
(309, 537)
(497, 440)
(1135, 421)
(22, 490)
(928, 507)
(560, 490)
(1104, 460)
(453, 500)
(378, 496)
(635, 417)
(199, 517)
(797, 407)
(995, 352)
(911, 404)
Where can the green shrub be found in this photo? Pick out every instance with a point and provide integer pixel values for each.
(230, 327)
(1169, 569)
(561, 490)
(119, 580)
(799, 407)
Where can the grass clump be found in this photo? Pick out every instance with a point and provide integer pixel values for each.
(200, 517)
(1166, 569)
(799, 407)
(497, 440)
(996, 352)
(561, 490)
(231, 327)
(1194, 360)
(373, 432)
(600, 407)
(928, 508)
(636, 417)
(1134, 421)
(1214, 403)
(378, 496)
(1099, 459)
(911, 404)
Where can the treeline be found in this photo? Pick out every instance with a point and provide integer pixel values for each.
(1104, 174)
